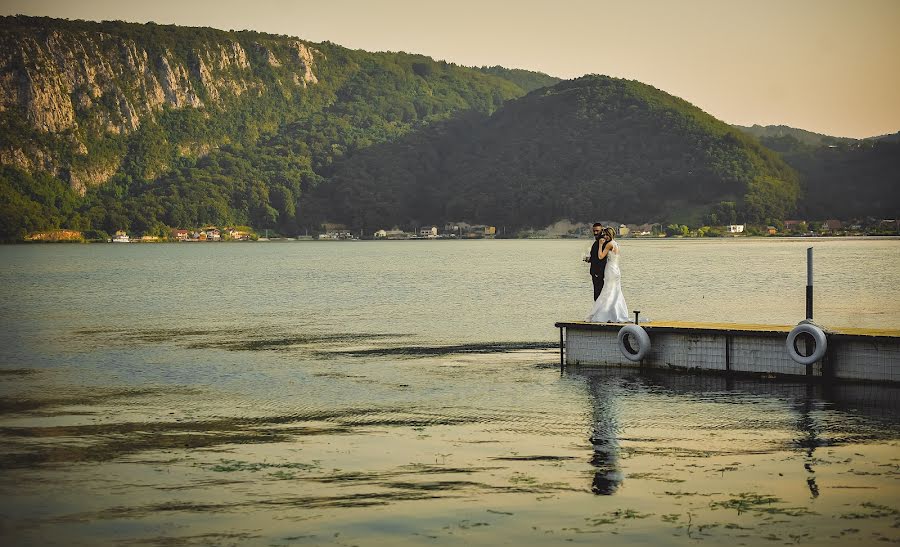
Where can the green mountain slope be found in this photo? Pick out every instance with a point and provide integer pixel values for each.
(122, 126)
(594, 147)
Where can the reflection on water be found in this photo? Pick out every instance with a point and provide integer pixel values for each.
(862, 413)
(604, 437)
(507, 443)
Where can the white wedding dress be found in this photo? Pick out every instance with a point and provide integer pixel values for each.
(610, 305)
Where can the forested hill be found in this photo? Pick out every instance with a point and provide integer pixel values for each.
(593, 147)
(801, 135)
(526, 79)
(112, 125)
(843, 178)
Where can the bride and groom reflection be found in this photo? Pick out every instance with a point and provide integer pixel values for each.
(604, 440)
(878, 406)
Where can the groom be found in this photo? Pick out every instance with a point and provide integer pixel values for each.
(598, 267)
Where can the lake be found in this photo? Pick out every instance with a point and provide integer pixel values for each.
(389, 393)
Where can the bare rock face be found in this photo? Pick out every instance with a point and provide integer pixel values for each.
(16, 157)
(31, 159)
(267, 53)
(209, 65)
(231, 55)
(43, 90)
(146, 85)
(194, 149)
(304, 57)
(206, 78)
(130, 119)
(94, 175)
(176, 84)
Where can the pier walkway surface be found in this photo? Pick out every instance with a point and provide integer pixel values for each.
(850, 353)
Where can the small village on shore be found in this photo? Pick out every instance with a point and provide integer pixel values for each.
(462, 230)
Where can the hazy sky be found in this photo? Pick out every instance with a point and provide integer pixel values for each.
(829, 66)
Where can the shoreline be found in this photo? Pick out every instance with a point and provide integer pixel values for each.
(639, 238)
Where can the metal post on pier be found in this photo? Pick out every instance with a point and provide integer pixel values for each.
(562, 345)
(809, 283)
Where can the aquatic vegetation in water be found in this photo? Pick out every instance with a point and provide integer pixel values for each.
(680, 494)
(654, 476)
(17, 372)
(630, 514)
(228, 466)
(95, 397)
(724, 468)
(733, 526)
(759, 504)
(613, 517)
(533, 458)
(466, 524)
(422, 351)
(745, 501)
(258, 339)
(522, 478)
(268, 342)
(872, 511)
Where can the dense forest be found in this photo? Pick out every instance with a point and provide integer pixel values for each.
(844, 180)
(586, 148)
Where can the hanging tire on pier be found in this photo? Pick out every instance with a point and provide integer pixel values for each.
(628, 336)
(813, 335)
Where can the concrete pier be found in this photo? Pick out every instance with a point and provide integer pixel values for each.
(852, 354)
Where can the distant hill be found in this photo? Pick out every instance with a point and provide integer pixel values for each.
(593, 147)
(893, 137)
(805, 137)
(841, 177)
(847, 180)
(851, 180)
(526, 79)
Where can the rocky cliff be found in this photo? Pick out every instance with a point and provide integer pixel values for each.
(76, 85)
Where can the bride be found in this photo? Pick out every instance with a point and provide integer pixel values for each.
(610, 305)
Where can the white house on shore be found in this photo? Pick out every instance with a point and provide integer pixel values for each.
(735, 228)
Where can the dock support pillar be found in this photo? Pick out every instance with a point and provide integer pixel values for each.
(728, 351)
(562, 345)
(809, 283)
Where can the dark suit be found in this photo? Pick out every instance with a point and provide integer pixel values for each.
(598, 268)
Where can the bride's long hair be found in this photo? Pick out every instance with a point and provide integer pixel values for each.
(609, 232)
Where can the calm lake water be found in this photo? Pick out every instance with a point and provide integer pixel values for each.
(389, 393)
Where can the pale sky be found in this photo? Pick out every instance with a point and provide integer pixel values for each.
(829, 66)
